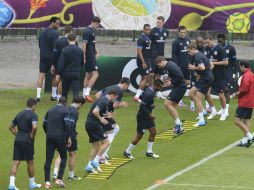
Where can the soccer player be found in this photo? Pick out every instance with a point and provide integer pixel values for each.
(59, 45)
(145, 121)
(158, 38)
(94, 128)
(230, 69)
(205, 80)
(180, 54)
(179, 87)
(217, 56)
(69, 68)
(90, 54)
(24, 127)
(57, 128)
(74, 108)
(112, 128)
(47, 41)
(245, 104)
(143, 59)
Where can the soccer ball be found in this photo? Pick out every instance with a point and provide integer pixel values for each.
(238, 23)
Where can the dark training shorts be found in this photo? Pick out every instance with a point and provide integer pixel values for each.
(186, 73)
(91, 64)
(74, 144)
(141, 70)
(111, 124)
(144, 122)
(243, 113)
(45, 65)
(202, 87)
(23, 151)
(176, 94)
(95, 131)
(219, 84)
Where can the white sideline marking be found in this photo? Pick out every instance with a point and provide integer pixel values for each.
(181, 172)
(213, 186)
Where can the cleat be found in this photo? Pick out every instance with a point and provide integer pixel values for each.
(12, 188)
(48, 186)
(204, 114)
(219, 112)
(200, 124)
(60, 183)
(54, 98)
(192, 109)
(37, 99)
(96, 165)
(223, 117)
(136, 99)
(54, 177)
(35, 186)
(212, 115)
(74, 178)
(90, 169)
(249, 142)
(152, 155)
(127, 155)
(178, 129)
(89, 99)
(104, 161)
(107, 157)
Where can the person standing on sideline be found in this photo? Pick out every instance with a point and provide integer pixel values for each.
(58, 47)
(96, 133)
(145, 120)
(230, 69)
(158, 37)
(245, 104)
(143, 59)
(24, 127)
(90, 55)
(57, 128)
(74, 108)
(69, 68)
(180, 54)
(47, 41)
(217, 56)
(179, 87)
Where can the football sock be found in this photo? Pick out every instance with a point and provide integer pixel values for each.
(31, 181)
(177, 121)
(150, 147)
(12, 180)
(38, 93)
(87, 93)
(130, 147)
(54, 90)
(71, 174)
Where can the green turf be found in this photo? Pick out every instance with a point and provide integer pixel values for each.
(142, 172)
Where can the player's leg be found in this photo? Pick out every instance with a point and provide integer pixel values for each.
(75, 84)
(211, 104)
(56, 167)
(59, 89)
(227, 96)
(85, 83)
(13, 172)
(200, 110)
(66, 82)
(151, 138)
(30, 171)
(134, 142)
(144, 81)
(39, 86)
(62, 149)
(50, 151)
(54, 84)
(223, 106)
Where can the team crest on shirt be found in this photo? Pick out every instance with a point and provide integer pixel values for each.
(215, 52)
(227, 51)
(165, 34)
(161, 38)
(156, 34)
(205, 52)
(143, 130)
(187, 42)
(96, 67)
(181, 43)
(105, 135)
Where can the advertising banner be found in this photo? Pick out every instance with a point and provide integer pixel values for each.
(219, 15)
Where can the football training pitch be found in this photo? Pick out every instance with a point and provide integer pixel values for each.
(204, 158)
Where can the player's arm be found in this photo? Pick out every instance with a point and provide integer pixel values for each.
(45, 123)
(200, 67)
(55, 57)
(140, 54)
(61, 64)
(234, 59)
(98, 94)
(96, 113)
(119, 104)
(34, 126)
(174, 51)
(13, 127)
(245, 85)
(223, 56)
(68, 127)
(86, 38)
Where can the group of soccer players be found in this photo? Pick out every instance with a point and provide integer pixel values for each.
(203, 64)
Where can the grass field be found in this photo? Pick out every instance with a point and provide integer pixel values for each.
(230, 170)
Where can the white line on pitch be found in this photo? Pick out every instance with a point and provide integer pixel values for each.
(181, 172)
(208, 186)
